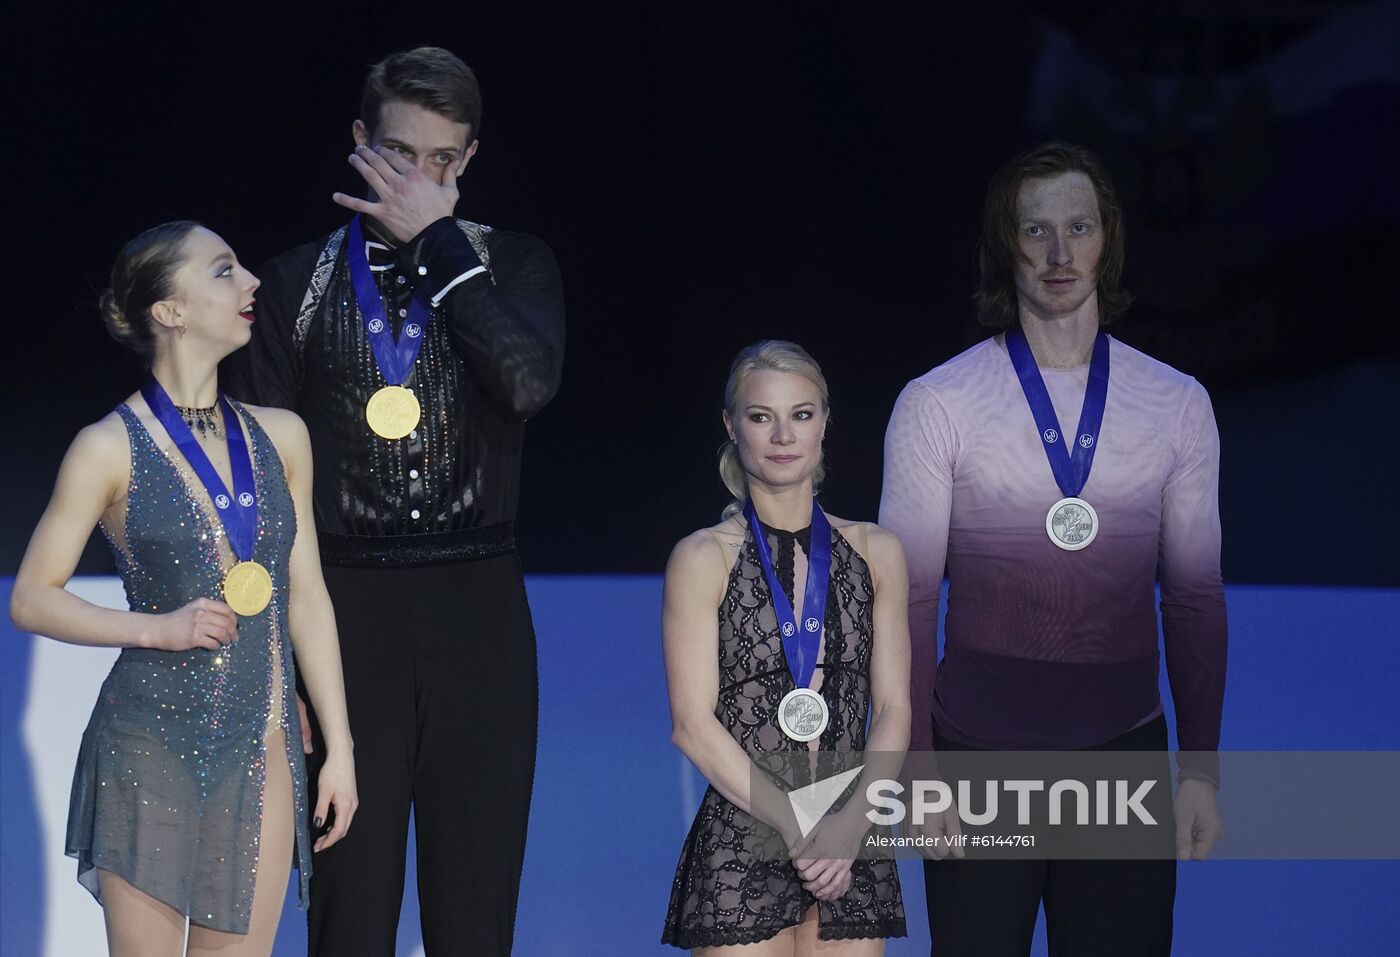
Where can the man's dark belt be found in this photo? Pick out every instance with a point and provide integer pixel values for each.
(407, 551)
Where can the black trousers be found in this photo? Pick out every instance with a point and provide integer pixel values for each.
(442, 686)
(1092, 908)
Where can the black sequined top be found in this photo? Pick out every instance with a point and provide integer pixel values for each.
(491, 357)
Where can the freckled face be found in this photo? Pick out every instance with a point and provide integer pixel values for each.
(1060, 237)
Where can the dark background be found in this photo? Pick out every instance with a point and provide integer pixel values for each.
(712, 174)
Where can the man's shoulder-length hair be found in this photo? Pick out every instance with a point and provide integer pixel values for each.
(998, 250)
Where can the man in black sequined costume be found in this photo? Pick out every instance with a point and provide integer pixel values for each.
(416, 533)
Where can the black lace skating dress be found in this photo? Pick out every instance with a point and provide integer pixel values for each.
(724, 892)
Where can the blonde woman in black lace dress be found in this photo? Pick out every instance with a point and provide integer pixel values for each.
(729, 677)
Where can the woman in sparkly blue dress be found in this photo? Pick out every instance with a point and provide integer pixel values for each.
(189, 798)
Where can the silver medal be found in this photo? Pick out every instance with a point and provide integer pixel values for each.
(802, 714)
(1072, 524)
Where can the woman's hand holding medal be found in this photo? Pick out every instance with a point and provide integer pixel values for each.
(203, 623)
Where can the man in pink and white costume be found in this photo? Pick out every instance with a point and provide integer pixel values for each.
(1051, 638)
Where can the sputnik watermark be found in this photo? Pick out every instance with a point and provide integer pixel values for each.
(1093, 804)
(950, 841)
(885, 796)
(811, 802)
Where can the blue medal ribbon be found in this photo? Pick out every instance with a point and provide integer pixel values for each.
(395, 359)
(237, 512)
(1070, 467)
(800, 644)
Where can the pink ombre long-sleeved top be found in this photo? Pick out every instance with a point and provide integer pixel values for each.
(1046, 648)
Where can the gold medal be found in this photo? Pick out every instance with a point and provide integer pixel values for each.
(247, 588)
(393, 412)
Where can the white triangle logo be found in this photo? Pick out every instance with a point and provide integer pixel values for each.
(813, 801)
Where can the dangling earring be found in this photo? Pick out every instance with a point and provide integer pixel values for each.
(181, 331)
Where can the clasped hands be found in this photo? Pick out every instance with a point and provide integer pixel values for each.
(823, 856)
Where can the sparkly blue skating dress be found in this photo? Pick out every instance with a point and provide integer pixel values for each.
(168, 789)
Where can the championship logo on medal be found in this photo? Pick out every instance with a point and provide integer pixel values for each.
(393, 411)
(247, 586)
(802, 714)
(1071, 523)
